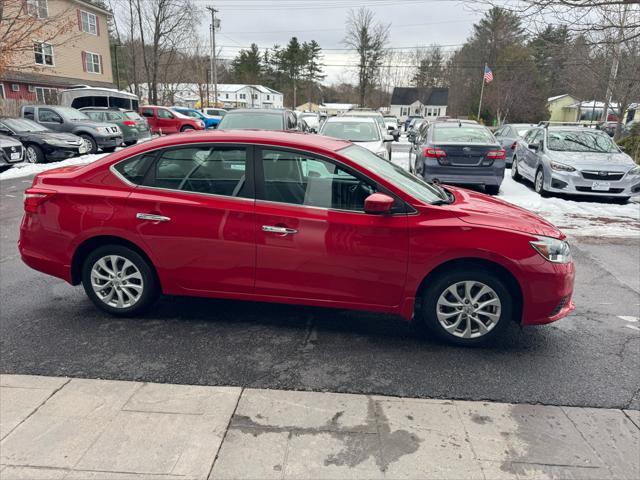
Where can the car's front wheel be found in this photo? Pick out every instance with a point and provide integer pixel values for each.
(538, 183)
(34, 154)
(89, 142)
(466, 307)
(187, 128)
(119, 280)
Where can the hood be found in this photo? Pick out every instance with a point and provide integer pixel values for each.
(9, 142)
(375, 147)
(594, 161)
(479, 209)
(56, 136)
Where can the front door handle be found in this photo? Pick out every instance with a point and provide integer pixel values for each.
(152, 217)
(280, 230)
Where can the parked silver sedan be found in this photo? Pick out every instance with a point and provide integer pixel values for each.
(575, 160)
(508, 135)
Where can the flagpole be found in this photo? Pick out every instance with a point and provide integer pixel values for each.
(481, 91)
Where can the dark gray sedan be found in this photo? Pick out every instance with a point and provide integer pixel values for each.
(508, 136)
(459, 153)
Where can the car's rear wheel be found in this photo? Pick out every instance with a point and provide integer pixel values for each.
(466, 307)
(119, 280)
(186, 128)
(538, 183)
(515, 174)
(34, 154)
(132, 142)
(90, 143)
(108, 149)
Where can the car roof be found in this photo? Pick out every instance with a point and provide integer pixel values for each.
(270, 137)
(354, 119)
(361, 113)
(268, 111)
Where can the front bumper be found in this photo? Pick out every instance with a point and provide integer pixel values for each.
(549, 292)
(62, 152)
(109, 141)
(573, 183)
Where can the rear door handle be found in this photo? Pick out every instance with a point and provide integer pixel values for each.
(279, 230)
(152, 217)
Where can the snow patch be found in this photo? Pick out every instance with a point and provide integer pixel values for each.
(25, 169)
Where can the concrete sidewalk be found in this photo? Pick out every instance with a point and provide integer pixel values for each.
(61, 428)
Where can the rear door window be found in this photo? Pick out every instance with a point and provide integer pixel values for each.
(48, 115)
(214, 170)
(162, 113)
(147, 112)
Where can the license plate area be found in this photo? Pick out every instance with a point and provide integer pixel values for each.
(15, 156)
(601, 186)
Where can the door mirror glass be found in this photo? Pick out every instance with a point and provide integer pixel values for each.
(378, 203)
(534, 146)
(387, 138)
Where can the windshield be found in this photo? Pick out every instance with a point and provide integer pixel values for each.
(582, 141)
(466, 134)
(394, 174)
(250, 120)
(71, 113)
(24, 125)
(353, 131)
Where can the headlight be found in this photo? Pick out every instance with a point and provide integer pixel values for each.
(554, 250)
(561, 167)
(102, 130)
(634, 171)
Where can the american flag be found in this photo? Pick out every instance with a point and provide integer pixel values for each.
(488, 74)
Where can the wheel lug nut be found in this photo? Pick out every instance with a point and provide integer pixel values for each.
(475, 305)
(459, 308)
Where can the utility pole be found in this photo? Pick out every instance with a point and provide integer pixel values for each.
(214, 70)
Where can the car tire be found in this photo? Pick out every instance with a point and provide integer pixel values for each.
(109, 149)
(34, 154)
(436, 313)
(128, 144)
(136, 288)
(92, 146)
(186, 128)
(492, 189)
(538, 183)
(515, 174)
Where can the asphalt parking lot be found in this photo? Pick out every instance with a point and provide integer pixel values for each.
(591, 358)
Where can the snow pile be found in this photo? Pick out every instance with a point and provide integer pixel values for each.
(575, 216)
(25, 169)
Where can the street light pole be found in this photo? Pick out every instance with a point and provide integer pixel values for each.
(214, 70)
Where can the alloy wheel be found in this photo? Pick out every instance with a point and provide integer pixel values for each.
(539, 181)
(32, 156)
(514, 169)
(468, 309)
(117, 281)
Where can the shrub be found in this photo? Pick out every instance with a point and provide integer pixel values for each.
(631, 143)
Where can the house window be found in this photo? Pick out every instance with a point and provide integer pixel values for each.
(254, 96)
(38, 8)
(226, 95)
(15, 87)
(89, 22)
(47, 96)
(43, 53)
(31, 88)
(243, 96)
(92, 62)
(2, 90)
(268, 97)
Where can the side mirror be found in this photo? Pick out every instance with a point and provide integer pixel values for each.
(534, 146)
(4, 131)
(378, 203)
(387, 138)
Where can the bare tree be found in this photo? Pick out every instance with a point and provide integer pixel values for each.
(368, 39)
(21, 23)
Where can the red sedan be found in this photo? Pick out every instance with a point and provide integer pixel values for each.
(293, 218)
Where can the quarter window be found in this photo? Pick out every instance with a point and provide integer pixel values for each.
(134, 169)
(43, 53)
(93, 63)
(212, 170)
(298, 179)
(89, 22)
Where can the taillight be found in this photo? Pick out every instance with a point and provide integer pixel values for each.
(496, 154)
(434, 152)
(34, 197)
(129, 123)
(514, 145)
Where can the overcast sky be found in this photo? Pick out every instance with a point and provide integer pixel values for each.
(268, 22)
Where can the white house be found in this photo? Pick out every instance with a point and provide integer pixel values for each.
(229, 95)
(427, 102)
(332, 109)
